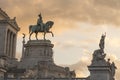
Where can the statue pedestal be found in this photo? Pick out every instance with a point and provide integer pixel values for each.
(100, 69)
(38, 61)
(100, 72)
(36, 51)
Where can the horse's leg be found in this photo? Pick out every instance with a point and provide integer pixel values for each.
(30, 35)
(44, 35)
(36, 35)
(51, 33)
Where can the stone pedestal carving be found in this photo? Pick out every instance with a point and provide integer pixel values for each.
(36, 51)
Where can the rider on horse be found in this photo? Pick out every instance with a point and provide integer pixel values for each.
(40, 22)
(40, 27)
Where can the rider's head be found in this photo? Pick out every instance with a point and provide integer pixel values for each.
(40, 16)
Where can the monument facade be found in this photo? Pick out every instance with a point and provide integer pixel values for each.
(8, 35)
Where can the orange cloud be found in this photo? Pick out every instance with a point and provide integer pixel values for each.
(63, 12)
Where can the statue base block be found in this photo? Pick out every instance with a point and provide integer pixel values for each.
(100, 72)
(37, 51)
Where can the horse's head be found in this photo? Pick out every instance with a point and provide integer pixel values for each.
(49, 24)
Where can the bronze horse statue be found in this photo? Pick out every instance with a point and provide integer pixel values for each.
(46, 29)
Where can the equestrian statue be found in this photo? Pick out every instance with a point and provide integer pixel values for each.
(41, 27)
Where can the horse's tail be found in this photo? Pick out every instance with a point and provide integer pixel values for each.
(30, 28)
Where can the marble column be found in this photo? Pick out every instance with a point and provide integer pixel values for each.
(11, 44)
(14, 45)
(23, 49)
(12, 50)
(8, 43)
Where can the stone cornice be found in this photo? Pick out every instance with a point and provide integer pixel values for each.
(11, 22)
(7, 19)
(3, 13)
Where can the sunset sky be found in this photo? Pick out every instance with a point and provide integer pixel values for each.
(78, 26)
